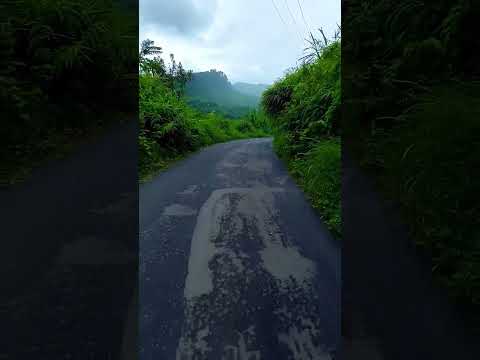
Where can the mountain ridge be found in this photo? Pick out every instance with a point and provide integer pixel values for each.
(212, 91)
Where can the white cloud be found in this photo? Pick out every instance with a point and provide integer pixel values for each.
(246, 39)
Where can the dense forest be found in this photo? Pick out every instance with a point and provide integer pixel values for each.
(212, 91)
(67, 69)
(411, 106)
(304, 108)
(169, 126)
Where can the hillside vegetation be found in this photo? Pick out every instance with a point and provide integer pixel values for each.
(212, 91)
(304, 107)
(169, 127)
(411, 117)
(66, 69)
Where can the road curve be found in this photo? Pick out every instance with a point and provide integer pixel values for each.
(234, 263)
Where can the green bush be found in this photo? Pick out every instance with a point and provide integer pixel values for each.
(164, 116)
(66, 68)
(304, 108)
(430, 161)
(276, 98)
(318, 172)
(410, 116)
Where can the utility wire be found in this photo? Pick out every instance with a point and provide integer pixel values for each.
(281, 18)
(294, 21)
(303, 16)
(279, 15)
(284, 22)
(290, 12)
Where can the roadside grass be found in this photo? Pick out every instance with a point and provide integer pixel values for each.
(304, 108)
(158, 163)
(208, 130)
(318, 173)
(64, 76)
(430, 162)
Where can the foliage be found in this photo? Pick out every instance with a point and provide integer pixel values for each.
(163, 116)
(430, 166)
(175, 76)
(61, 62)
(306, 102)
(277, 98)
(316, 47)
(318, 173)
(170, 127)
(403, 50)
(229, 112)
(213, 87)
(411, 118)
(304, 109)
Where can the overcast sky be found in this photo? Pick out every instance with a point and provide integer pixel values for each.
(247, 39)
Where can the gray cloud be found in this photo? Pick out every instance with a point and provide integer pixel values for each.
(246, 39)
(184, 16)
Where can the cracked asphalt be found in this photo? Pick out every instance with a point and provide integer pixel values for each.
(234, 263)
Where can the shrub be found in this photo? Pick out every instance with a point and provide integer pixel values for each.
(304, 108)
(429, 160)
(318, 172)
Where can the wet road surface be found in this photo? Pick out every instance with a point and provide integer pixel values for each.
(234, 263)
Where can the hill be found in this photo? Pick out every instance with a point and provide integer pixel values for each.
(250, 89)
(212, 91)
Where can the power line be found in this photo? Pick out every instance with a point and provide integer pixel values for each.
(294, 21)
(303, 16)
(279, 15)
(281, 18)
(291, 15)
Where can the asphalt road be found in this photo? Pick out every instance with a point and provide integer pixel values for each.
(234, 263)
(69, 255)
(391, 307)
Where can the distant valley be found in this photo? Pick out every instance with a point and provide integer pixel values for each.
(212, 91)
(250, 89)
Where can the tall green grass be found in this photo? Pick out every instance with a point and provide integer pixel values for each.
(67, 69)
(304, 108)
(410, 116)
(430, 162)
(318, 172)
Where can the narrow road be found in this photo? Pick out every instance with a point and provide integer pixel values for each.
(234, 263)
(69, 254)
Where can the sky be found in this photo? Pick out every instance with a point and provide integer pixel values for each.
(253, 41)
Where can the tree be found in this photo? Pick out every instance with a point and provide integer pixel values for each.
(148, 48)
(155, 66)
(175, 77)
(183, 77)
